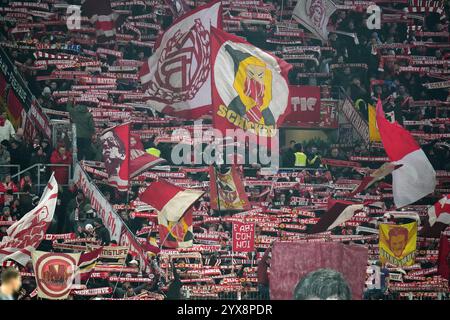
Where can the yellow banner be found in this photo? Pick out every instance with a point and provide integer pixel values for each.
(374, 134)
(398, 243)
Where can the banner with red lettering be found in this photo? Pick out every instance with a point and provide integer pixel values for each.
(305, 105)
(243, 237)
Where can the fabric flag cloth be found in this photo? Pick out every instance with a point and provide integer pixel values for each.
(140, 160)
(440, 211)
(314, 16)
(116, 155)
(444, 257)
(26, 234)
(177, 77)
(397, 244)
(173, 204)
(178, 7)
(338, 212)
(374, 134)
(416, 178)
(227, 190)
(87, 263)
(54, 273)
(14, 109)
(375, 176)
(250, 87)
(101, 16)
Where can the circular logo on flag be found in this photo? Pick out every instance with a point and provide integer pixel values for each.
(258, 93)
(183, 66)
(55, 272)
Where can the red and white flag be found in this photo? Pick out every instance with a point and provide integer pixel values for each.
(87, 263)
(314, 16)
(101, 16)
(440, 211)
(173, 204)
(140, 160)
(416, 177)
(54, 273)
(338, 212)
(25, 235)
(375, 176)
(116, 155)
(177, 77)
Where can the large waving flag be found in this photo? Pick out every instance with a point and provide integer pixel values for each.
(250, 86)
(173, 204)
(416, 178)
(177, 77)
(116, 155)
(25, 235)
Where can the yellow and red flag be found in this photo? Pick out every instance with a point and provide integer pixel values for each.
(398, 243)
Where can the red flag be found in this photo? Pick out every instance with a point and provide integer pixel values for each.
(227, 190)
(87, 263)
(173, 204)
(26, 234)
(250, 87)
(416, 178)
(338, 212)
(444, 257)
(139, 159)
(116, 155)
(243, 237)
(178, 75)
(440, 211)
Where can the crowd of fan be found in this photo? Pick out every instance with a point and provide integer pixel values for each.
(74, 213)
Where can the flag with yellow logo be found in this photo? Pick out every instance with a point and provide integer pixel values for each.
(398, 243)
(250, 87)
(374, 134)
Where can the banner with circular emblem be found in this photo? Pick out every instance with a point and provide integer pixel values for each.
(54, 273)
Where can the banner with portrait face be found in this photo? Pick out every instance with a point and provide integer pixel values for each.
(250, 88)
(398, 243)
(116, 155)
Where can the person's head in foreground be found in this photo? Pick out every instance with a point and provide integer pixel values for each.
(10, 283)
(322, 284)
